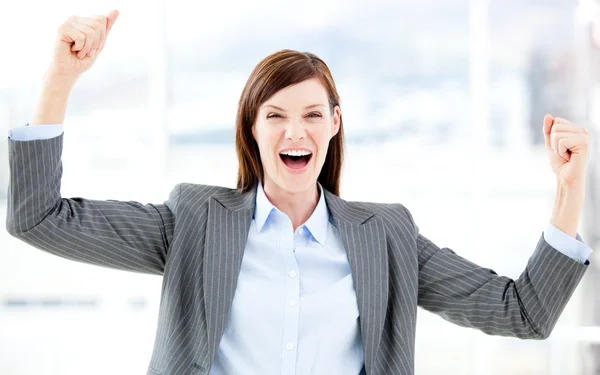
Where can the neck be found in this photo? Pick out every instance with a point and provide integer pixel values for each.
(297, 206)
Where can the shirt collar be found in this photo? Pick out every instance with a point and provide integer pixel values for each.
(319, 220)
(263, 208)
(316, 224)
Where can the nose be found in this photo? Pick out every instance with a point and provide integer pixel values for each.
(295, 131)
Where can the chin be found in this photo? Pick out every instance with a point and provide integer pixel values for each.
(297, 183)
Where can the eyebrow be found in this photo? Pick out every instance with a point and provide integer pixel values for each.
(283, 110)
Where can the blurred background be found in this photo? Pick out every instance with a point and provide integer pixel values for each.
(442, 102)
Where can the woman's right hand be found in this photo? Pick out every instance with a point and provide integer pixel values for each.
(78, 44)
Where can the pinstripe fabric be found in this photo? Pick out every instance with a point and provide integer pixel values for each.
(196, 239)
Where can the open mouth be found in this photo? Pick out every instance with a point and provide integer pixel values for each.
(296, 159)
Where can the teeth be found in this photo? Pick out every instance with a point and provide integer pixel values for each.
(296, 153)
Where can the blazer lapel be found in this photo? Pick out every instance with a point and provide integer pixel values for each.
(229, 219)
(365, 244)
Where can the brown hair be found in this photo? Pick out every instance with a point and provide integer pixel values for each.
(273, 73)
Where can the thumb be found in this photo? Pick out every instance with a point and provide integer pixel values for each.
(548, 122)
(111, 17)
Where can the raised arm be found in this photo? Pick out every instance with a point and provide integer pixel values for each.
(473, 296)
(79, 41)
(528, 307)
(122, 235)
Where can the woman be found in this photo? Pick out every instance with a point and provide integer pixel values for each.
(281, 275)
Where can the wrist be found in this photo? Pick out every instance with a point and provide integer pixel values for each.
(58, 83)
(53, 99)
(568, 207)
(571, 191)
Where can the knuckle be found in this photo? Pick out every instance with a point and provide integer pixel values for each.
(72, 19)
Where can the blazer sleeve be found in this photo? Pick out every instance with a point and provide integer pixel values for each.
(473, 296)
(117, 234)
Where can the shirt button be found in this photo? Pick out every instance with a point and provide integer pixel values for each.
(292, 303)
(300, 230)
(292, 273)
(289, 346)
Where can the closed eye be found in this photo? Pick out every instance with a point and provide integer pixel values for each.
(314, 115)
(273, 115)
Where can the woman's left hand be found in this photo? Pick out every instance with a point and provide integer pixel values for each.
(567, 146)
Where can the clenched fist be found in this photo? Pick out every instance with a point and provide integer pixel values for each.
(78, 43)
(567, 146)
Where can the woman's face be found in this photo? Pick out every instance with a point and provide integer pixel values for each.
(293, 129)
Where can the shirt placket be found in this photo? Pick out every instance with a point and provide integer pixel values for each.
(292, 298)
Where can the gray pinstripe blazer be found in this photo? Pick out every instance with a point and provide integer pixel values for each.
(196, 239)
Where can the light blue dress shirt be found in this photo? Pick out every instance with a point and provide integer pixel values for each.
(294, 309)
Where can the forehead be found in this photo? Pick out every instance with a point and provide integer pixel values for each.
(307, 92)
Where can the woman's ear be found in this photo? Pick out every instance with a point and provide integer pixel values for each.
(337, 120)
